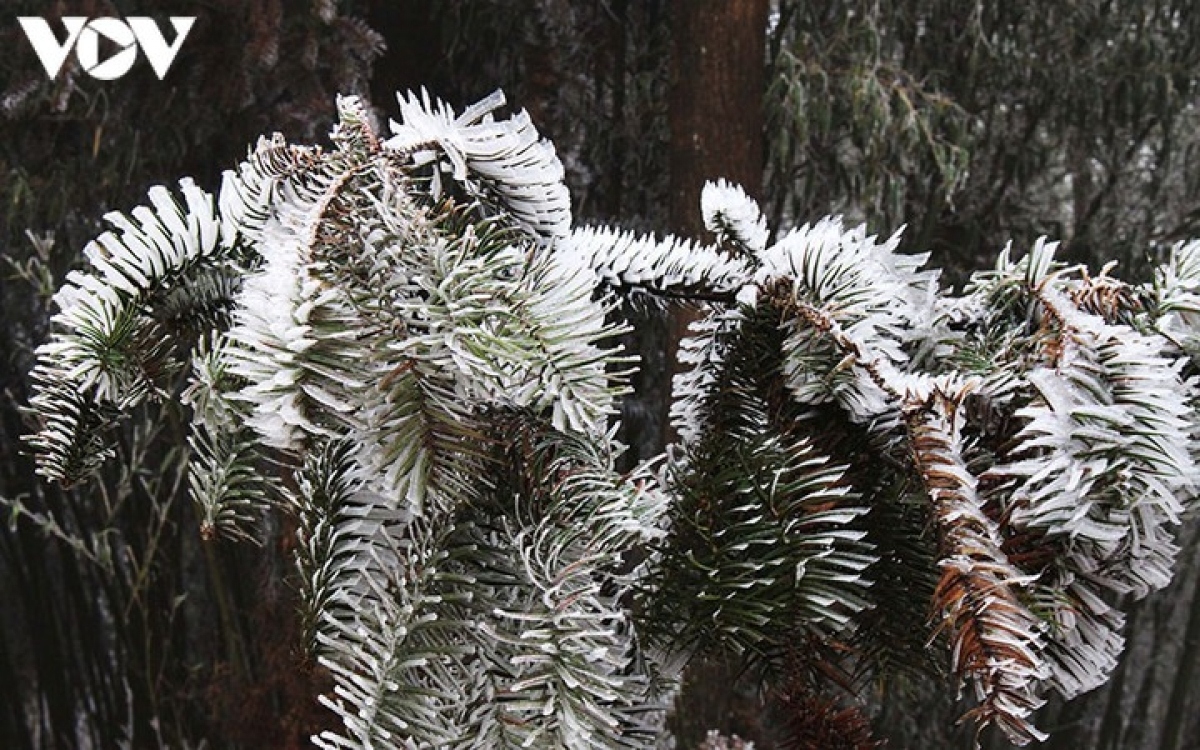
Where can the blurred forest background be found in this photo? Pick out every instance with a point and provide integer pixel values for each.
(970, 123)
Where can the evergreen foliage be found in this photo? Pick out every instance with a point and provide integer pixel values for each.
(404, 345)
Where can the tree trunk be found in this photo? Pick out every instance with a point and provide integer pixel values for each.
(715, 114)
(718, 81)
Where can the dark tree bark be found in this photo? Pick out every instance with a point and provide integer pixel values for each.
(718, 79)
(715, 114)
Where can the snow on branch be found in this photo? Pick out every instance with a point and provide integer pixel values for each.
(670, 266)
(733, 217)
(407, 342)
(1175, 292)
(995, 640)
(112, 345)
(856, 307)
(506, 159)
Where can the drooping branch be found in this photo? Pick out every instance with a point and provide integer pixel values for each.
(994, 638)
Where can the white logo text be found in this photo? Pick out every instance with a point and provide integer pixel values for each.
(127, 35)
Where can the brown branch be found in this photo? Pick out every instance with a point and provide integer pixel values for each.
(993, 636)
